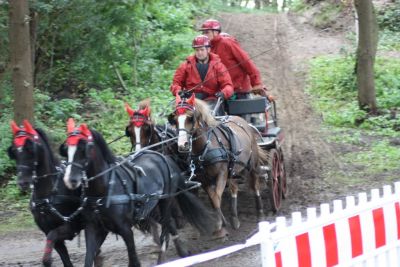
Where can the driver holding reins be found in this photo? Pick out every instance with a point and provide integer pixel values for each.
(203, 74)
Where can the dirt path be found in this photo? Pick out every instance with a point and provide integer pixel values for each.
(283, 45)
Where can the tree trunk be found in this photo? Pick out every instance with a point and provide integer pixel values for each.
(366, 51)
(3, 68)
(21, 60)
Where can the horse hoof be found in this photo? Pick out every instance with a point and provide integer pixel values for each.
(161, 258)
(221, 233)
(261, 216)
(181, 249)
(235, 223)
(98, 260)
(46, 262)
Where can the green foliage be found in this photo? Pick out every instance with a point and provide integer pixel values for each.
(3, 33)
(389, 24)
(332, 83)
(327, 14)
(298, 6)
(14, 208)
(380, 157)
(389, 17)
(81, 45)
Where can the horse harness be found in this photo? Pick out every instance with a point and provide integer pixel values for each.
(46, 205)
(137, 201)
(209, 156)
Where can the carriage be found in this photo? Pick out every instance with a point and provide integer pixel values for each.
(261, 114)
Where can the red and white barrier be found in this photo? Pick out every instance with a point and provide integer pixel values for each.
(362, 234)
(366, 232)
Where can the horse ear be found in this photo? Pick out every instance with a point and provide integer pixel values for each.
(63, 150)
(127, 133)
(28, 127)
(70, 125)
(146, 111)
(14, 127)
(171, 119)
(191, 100)
(129, 110)
(178, 99)
(85, 130)
(11, 153)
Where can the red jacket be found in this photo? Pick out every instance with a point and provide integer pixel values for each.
(217, 78)
(243, 71)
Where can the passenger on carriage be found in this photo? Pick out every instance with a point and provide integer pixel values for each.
(203, 74)
(244, 73)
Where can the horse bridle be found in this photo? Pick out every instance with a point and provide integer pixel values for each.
(138, 120)
(83, 168)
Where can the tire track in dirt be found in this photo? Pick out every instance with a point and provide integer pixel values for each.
(283, 69)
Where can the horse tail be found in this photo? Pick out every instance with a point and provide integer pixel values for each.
(197, 213)
(262, 156)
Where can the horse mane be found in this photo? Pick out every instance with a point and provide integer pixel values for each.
(105, 150)
(203, 113)
(144, 103)
(54, 161)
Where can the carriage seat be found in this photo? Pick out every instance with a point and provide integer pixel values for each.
(258, 105)
(247, 106)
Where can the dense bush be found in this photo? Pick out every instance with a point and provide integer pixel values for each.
(389, 17)
(80, 48)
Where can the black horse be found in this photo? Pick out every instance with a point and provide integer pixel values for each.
(120, 195)
(52, 205)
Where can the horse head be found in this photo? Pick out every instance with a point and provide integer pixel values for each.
(77, 149)
(189, 116)
(87, 153)
(140, 128)
(28, 151)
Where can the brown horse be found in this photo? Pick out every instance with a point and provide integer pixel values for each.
(143, 131)
(221, 150)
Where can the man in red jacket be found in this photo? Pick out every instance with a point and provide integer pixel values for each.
(244, 73)
(203, 74)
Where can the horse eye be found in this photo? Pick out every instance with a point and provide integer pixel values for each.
(191, 119)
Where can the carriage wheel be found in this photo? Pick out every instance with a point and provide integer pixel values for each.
(274, 179)
(282, 175)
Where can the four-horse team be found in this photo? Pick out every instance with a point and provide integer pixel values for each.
(218, 134)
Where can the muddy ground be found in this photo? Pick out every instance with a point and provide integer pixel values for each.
(281, 44)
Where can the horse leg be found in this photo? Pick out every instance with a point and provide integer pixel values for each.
(169, 225)
(255, 186)
(215, 195)
(127, 235)
(95, 236)
(233, 188)
(154, 231)
(55, 238)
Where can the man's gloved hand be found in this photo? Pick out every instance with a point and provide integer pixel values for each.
(260, 90)
(219, 95)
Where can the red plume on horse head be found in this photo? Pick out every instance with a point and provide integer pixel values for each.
(144, 111)
(21, 134)
(70, 125)
(190, 101)
(14, 127)
(129, 110)
(75, 134)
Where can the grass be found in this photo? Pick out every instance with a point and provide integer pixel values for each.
(14, 210)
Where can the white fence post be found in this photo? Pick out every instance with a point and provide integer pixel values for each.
(266, 245)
